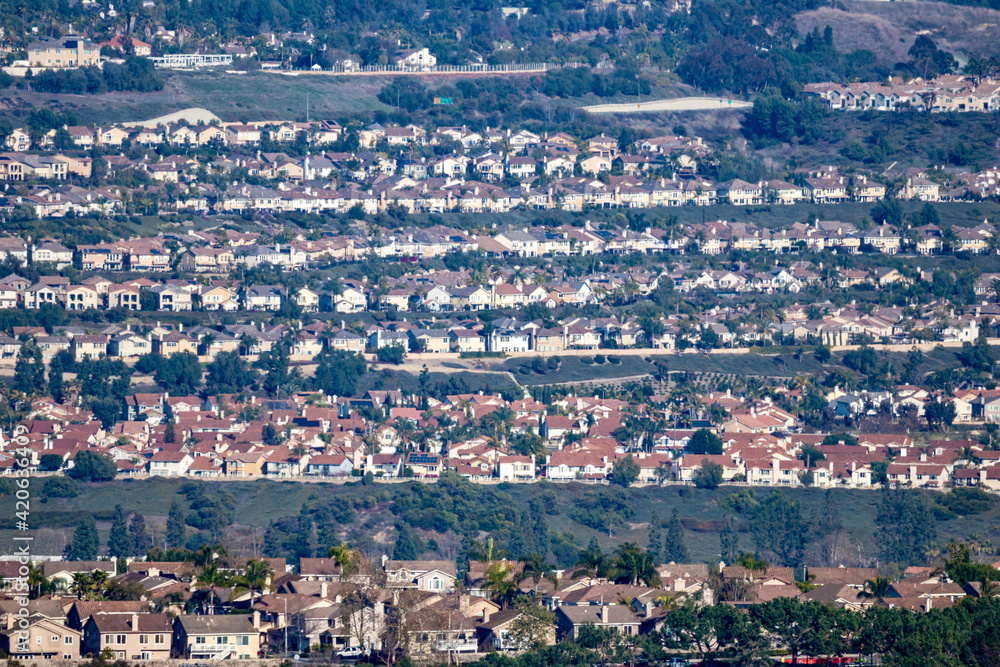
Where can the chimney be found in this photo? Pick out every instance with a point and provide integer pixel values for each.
(256, 619)
(322, 589)
(135, 622)
(487, 612)
(605, 614)
(463, 604)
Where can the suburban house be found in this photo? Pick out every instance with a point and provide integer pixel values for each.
(128, 636)
(224, 637)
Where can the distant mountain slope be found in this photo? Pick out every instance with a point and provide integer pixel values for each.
(889, 28)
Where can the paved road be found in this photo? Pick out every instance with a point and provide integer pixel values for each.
(677, 104)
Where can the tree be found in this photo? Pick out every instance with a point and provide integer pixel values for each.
(56, 384)
(256, 577)
(811, 628)
(625, 471)
(338, 373)
(729, 541)
(904, 524)
(779, 530)
(348, 559)
(119, 542)
(533, 626)
(704, 442)
(500, 583)
(406, 543)
(86, 543)
(50, 462)
(390, 354)
(708, 476)
(631, 565)
(228, 374)
(29, 373)
(712, 631)
(175, 527)
(876, 589)
(180, 373)
(708, 339)
(655, 540)
(674, 549)
(141, 542)
(169, 433)
(888, 211)
(269, 434)
(90, 466)
(939, 413)
(60, 487)
(210, 575)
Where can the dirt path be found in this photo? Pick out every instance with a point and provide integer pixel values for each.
(677, 104)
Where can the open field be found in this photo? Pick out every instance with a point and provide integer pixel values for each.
(232, 97)
(678, 104)
(573, 369)
(259, 503)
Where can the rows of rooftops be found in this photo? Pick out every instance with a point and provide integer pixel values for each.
(309, 168)
(393, 434)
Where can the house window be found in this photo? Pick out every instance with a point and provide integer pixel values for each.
(107, 639)
(55, 639)
(68, 639)
(244, 640)
(222, 640)
(143, 639)
(199, 640)
(119, 639)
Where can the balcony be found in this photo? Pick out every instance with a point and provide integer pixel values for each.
(458, 645)
(211, 651)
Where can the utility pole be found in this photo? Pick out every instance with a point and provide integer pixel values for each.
(286, 626)
(307, 106)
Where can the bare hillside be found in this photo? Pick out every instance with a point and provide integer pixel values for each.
(889, 28)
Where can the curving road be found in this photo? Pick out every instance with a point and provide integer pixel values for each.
(676, 104)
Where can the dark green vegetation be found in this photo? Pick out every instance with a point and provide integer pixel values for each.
(870, 139)
(135, 74)
(966, 634)
(785, 527)
(779, 363)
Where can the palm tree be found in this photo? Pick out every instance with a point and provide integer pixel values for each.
(38, 583)
(256, 577)
(632, 565)
(499, 583)
(207, 559)
(875, 589)
(486, 550)
(81, 585)
(752, 564)
(536, 569)
(98, 579)
(988, 588)
(668, 603)
(969, 456)
(592, 563)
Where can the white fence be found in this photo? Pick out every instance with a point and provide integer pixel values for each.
(382, 70)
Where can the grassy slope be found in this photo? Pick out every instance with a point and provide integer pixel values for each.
(889, 28)
(261, 502)
(571, 369)
(231, 97)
